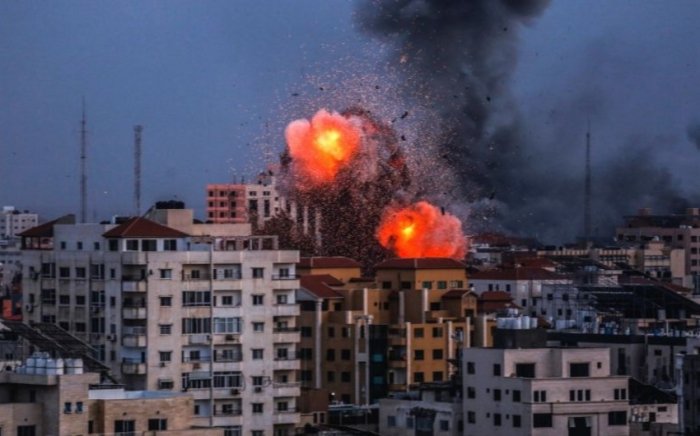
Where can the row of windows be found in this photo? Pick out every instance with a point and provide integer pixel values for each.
(441, 284)
(419, 424)
(527, 370)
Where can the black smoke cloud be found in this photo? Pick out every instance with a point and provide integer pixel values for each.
(458, 57)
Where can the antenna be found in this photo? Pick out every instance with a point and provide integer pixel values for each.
(137, 169)
(587, 189)
(83, 164)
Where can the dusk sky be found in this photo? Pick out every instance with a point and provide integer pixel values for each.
(212, 82)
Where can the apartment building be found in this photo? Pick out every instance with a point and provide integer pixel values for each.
(257, 203)
(13, 222)
(366, 338)
(543, 391)
(676, 231)
(434, 409)
(206, 309)
(53, 404)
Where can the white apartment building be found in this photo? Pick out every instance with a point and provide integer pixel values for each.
(13, 222)
(543, 391)
(210, 311)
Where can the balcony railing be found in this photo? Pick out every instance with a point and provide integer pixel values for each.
(286, 330)
(235, 412)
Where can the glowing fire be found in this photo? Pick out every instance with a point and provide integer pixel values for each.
(320, 148)
(421, 230)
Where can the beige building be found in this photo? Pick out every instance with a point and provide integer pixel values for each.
(675, 231)
(543, 391)
(366, 338)
(175, 306)
(78, 404)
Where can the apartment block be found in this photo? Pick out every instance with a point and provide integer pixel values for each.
(363, 339)
(175, 306)
(13, 222)
(543, 391)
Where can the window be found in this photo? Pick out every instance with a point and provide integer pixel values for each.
(497, 369)
(444, 425)
(228, 325)
(64, 272)
(166, 301)
(196, 325)
(517, 421)
(196, 298)
(437, 332)
(418, 377)
(442, 284)
(258, 407)
(306, 332)
(68, 407)
(497, 419)
(540, 420)
(330, 376)
(170, 244)
(259, 327)
(435, 305)
(132, 245)
(165, 329)
(257, 380)
(157, 424)
(471, 368)
(165, 356)
(345, 377)
(122, 427)
(148, 245)
(471, 392)
(427, 285)
(418, 333)
(64, 300)
(257, 353)
(26, 430)
(345, 354)
(471, 417)
(166, 384)
(540, 396)
(80, 272)
(516, 395)
(258, 300)
(405, 285)
(496, 395)
(525, 370)
(331, 332)
(330, 355)
(166, 274)
(617, 418)
(391, 421)
(418, 355)
(258, 273)
(437, 376)
(620, 394)
(579, 369)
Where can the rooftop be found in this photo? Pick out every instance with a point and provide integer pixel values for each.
(516, 274)
(139, 227)
(320, 285)
(328, 262)
(422, 263)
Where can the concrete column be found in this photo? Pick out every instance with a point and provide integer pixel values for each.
(317, 344)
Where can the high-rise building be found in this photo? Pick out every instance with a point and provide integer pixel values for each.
(13, 222)
(176, 306)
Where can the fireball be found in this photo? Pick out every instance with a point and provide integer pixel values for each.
(321, 147)
(421, 230)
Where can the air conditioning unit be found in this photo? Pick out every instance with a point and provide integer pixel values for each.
(162, 364)
(112, 338)
(196, 366)
(235, 392)
(258, 389)
(231, 337)
(29, 308)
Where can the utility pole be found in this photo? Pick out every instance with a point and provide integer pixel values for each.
(587, 190)
(137, 169)
(83, 166)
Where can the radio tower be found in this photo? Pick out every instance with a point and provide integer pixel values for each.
(587, 190)
(83, 169)
(137, 169)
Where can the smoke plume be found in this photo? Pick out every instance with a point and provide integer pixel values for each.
(457, 57)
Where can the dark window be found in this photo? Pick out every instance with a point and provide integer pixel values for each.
(26, 430)
(157, 424)
(330, 355)
(437, 376)
(418, 377)
(345, 354)
(497, 369)
(471, 417)
(516, 396)
(579, 369)
(437, 354)
(496, 395)
(525, 370)
(471, 368)
(517, 422)
(418, 355)
(497, 419)
(418, 333)
(437, 332)
(345, 377)
(540, 420)
(124, 428)
(617, 418)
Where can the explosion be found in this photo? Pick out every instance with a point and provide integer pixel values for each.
(421, 230)
(322, 147)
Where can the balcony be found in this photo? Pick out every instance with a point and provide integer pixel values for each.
(289, 416)
(285, 310)
(130, 284)
(286, 334)
(290, 389)
(133, 367)
(134, 340)
(289, 363)
(198, 339)
(134, 313)
(228, 393)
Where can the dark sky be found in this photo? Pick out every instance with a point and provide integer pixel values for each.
(212, 81)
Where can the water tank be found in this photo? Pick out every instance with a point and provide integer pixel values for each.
(41, 365)
(78, 366)
(525, 322)
(517, 323)
(54, 366)
(533, 323)
(501, 323)
(31, 365)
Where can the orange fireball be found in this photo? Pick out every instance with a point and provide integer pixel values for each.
(421, 230)
(320, 148)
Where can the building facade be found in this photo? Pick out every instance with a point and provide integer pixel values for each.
(210, 311)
